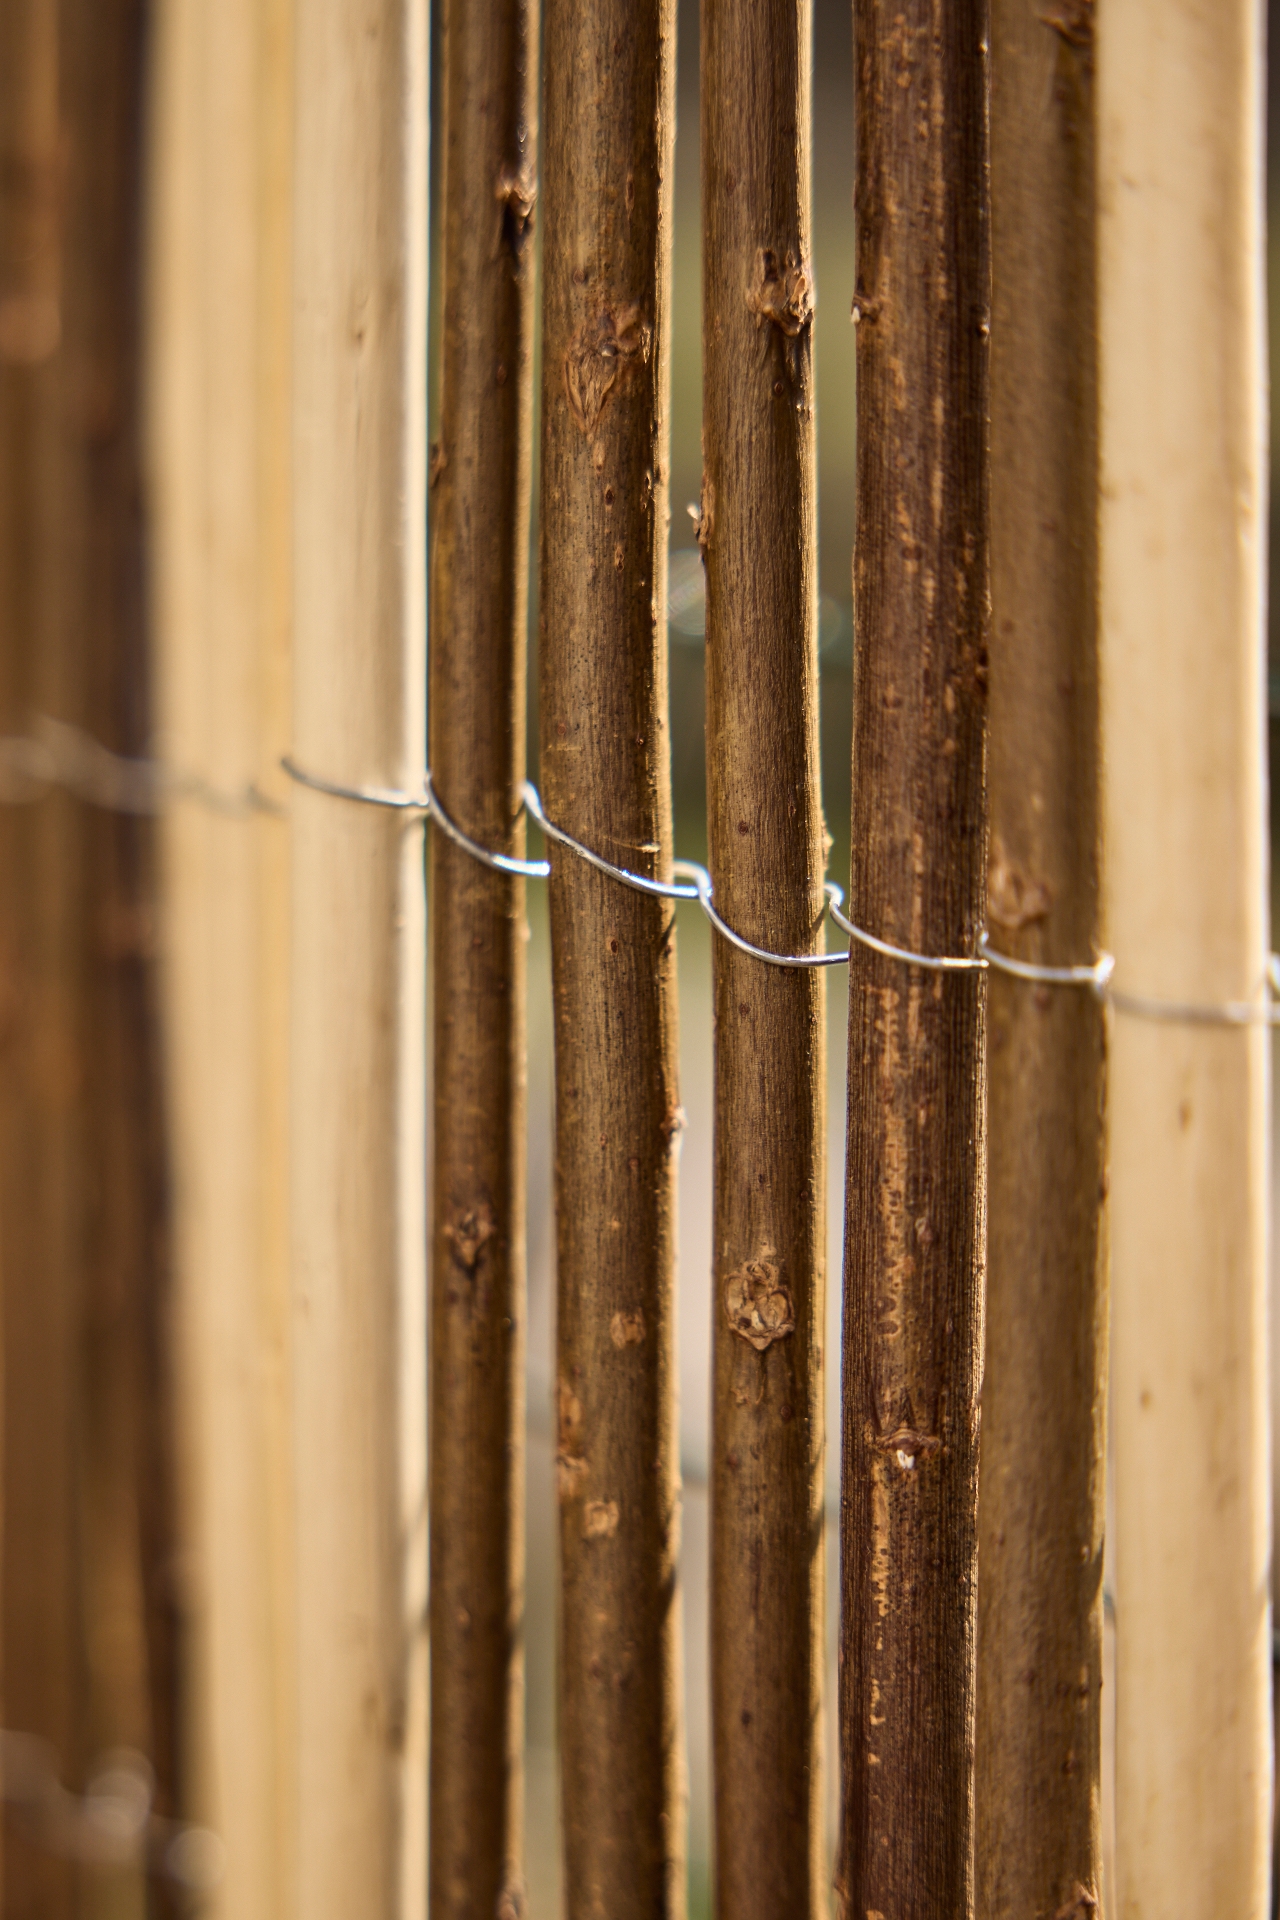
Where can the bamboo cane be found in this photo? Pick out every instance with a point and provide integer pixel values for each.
(90, 1599)
(357, 1094)
(605, 764)
(480, 503)
(1183, 545)
(130, 1601)
(914, 1247)
(758, 534)
(1042, 1494)
(219, 319)
(36, 1607)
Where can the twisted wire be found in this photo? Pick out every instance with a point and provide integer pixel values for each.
(55, 754)
(692, 881)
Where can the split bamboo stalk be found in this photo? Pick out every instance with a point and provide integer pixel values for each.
(1183, 552)
(37, 1604)
(758, 534)
(90, 1599)
(220, 312)
(915, 1225)
(130, 1599)
(1042, 1487)
(358, 992)
(479, 607)
(606, 198)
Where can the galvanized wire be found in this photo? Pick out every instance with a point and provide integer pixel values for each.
(55, 754)
(692, 881)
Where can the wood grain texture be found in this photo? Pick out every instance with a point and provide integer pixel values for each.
(1042, 1483)
(219, 322)
(606, 200)
(90, 1578)
(357, 1144)
(915, 1218)
(479, 611)
(1182, 570)
(758, 535)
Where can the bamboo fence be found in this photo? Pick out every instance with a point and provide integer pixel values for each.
(264, 1311)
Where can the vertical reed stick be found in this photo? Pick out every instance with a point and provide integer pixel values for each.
(609, 106)
(90, 1600)
(220, 312)
(357, 1145)
(128, 1596)
(1183, 550)
(915, 1226)
(1042, 1492)
(479, 603)
(758, 534)
(37, 848)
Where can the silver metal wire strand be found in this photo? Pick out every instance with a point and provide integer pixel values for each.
(692, 881)
(56, 754)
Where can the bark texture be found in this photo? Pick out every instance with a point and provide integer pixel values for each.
(759, 540)
(480, 503)
(89, 1598)
(606, 199)
(915, 1228)
(1041, 1508)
